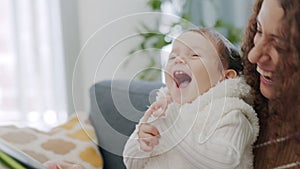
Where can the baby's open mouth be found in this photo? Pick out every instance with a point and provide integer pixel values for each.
(182, 79)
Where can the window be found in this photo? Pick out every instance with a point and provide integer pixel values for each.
(32, 83)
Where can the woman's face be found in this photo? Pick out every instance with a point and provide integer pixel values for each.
(193, 67)
(263, 54)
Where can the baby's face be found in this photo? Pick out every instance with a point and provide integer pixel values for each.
(193, 67)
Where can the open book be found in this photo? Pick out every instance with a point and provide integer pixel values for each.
(15, 158)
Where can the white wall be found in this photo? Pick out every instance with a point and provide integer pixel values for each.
(69, 13)
(108, 31)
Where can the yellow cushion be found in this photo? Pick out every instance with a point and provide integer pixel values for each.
(72, 142)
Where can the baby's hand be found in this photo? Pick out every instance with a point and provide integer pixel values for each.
(147, 133)
(157, 108)
(148, 136)
(58, 165)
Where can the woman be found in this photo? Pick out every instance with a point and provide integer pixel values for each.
(271, 51)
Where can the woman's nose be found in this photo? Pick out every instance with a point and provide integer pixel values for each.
(259, 53)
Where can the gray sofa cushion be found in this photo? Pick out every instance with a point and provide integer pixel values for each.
(116, 107)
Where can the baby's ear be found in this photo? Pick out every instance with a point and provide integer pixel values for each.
(230, 73)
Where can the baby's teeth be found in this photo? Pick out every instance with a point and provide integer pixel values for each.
(178, 73)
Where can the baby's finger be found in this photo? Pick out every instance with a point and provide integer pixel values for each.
(71, 166)
(151, 140)
(148, 129)
(145, 147)
(160, 112)
(154, 140)
(147, 115)
(147, 144)
(163, 104)
(50, 165)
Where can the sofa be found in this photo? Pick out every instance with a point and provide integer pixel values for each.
(115, 108)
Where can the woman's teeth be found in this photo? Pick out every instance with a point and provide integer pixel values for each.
(266, 75)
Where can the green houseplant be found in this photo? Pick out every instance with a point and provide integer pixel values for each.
(154, 38)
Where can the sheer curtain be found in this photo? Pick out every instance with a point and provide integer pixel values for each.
(32, 86)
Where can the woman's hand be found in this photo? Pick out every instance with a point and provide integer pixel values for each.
(61, 165)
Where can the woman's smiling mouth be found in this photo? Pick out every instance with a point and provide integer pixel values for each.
(266, 76)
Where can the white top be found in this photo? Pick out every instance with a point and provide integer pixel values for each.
(215, 131)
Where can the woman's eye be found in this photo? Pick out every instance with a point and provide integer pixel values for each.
(195, 55)
(258, 31)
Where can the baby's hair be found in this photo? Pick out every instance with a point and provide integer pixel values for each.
(228, 53)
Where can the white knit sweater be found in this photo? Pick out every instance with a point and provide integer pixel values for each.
(215, 131)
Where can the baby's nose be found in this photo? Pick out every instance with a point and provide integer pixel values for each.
(180, 59)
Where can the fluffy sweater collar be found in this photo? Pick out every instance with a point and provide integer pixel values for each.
(228, 95)
(236, 87)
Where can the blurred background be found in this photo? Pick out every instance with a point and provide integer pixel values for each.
(53, 51)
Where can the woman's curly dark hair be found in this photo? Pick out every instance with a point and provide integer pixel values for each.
(287, 82)
(279, 116)
(250, 73)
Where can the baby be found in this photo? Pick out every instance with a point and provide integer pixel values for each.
(203, 118)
